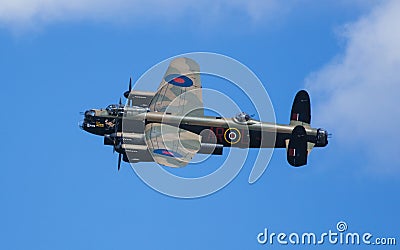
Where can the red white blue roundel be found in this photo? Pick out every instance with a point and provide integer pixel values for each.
(179, 80)
(232, 135)
(167, 152)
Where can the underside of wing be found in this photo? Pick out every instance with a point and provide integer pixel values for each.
(180, 90)
(171, 146)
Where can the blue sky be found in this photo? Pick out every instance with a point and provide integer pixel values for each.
(60, 188)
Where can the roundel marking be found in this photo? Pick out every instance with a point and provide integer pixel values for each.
(232, 135)
(166, 152)
(178, 80)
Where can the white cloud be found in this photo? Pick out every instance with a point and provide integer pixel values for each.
(358, 93)
(28, 13)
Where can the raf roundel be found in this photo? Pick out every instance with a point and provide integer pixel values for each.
(232, 135)
(167, 152)
(178, 80)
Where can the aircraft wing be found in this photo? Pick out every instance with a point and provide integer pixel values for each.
(180, 90)
(171, 146)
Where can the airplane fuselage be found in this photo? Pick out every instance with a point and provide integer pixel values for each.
(227, 132)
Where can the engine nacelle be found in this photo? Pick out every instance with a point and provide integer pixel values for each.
(210, 148)
(136, 153)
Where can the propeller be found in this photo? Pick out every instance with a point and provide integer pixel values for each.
(119, 161)
(117, 141)
(126, 94)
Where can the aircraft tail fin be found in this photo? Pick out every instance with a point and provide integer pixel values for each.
(297, 146)
(301, 110)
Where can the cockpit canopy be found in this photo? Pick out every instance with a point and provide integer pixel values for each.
(242, 117)
(90, 113)
(114, 109)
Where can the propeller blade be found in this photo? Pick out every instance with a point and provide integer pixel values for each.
(114, 135)
(119, 161)
(126, 94)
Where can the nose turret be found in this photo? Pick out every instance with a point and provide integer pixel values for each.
(98, 121)
(89, 121)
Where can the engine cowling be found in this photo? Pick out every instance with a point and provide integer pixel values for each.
(211, 148)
